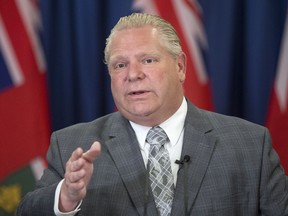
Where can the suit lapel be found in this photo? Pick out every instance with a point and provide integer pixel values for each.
(125, 151)
(199, 145)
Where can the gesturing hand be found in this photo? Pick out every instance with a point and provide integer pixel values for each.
(79, 169)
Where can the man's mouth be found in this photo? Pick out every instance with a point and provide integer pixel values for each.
(137, 92)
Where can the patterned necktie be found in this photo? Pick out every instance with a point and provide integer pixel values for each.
(159, 167)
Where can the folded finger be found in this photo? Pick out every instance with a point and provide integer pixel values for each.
(76, 154)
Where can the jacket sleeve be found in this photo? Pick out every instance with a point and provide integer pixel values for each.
(41, 200)
(274, 182)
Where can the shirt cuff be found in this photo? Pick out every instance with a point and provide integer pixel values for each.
(56, 203)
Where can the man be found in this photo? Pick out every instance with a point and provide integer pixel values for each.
(218, 165)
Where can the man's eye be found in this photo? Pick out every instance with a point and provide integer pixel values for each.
(149, 60)
(119, 65)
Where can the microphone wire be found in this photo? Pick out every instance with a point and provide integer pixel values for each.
(184, 162)
(147, 182)
(185, 188)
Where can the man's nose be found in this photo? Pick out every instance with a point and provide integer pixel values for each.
(135, 72)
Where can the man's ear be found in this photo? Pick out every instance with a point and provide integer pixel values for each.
(182, 67)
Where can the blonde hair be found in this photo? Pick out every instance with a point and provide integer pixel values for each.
(169, 37)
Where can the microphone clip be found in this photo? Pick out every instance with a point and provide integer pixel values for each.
(186, 159)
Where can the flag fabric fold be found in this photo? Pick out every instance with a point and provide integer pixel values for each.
(277, 119)
(24, 114)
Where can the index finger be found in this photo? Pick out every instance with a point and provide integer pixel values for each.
(76, 154)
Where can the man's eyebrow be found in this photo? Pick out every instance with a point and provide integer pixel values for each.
(117, 58)
(141, 55)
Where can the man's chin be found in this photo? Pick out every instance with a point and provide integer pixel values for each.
(139, 115)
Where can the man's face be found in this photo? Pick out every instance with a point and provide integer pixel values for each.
(146, 81)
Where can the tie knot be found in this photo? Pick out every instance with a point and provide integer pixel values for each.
(156, 136)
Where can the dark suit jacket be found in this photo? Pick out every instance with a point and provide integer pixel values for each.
(233, 170)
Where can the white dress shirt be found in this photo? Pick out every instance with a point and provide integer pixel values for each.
(173, 127)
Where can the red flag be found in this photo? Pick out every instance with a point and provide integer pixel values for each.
(277, 120)
(186, 18)
(24, 119)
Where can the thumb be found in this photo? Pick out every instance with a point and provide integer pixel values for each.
(93, 152)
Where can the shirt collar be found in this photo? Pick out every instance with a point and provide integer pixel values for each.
(172, 126)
